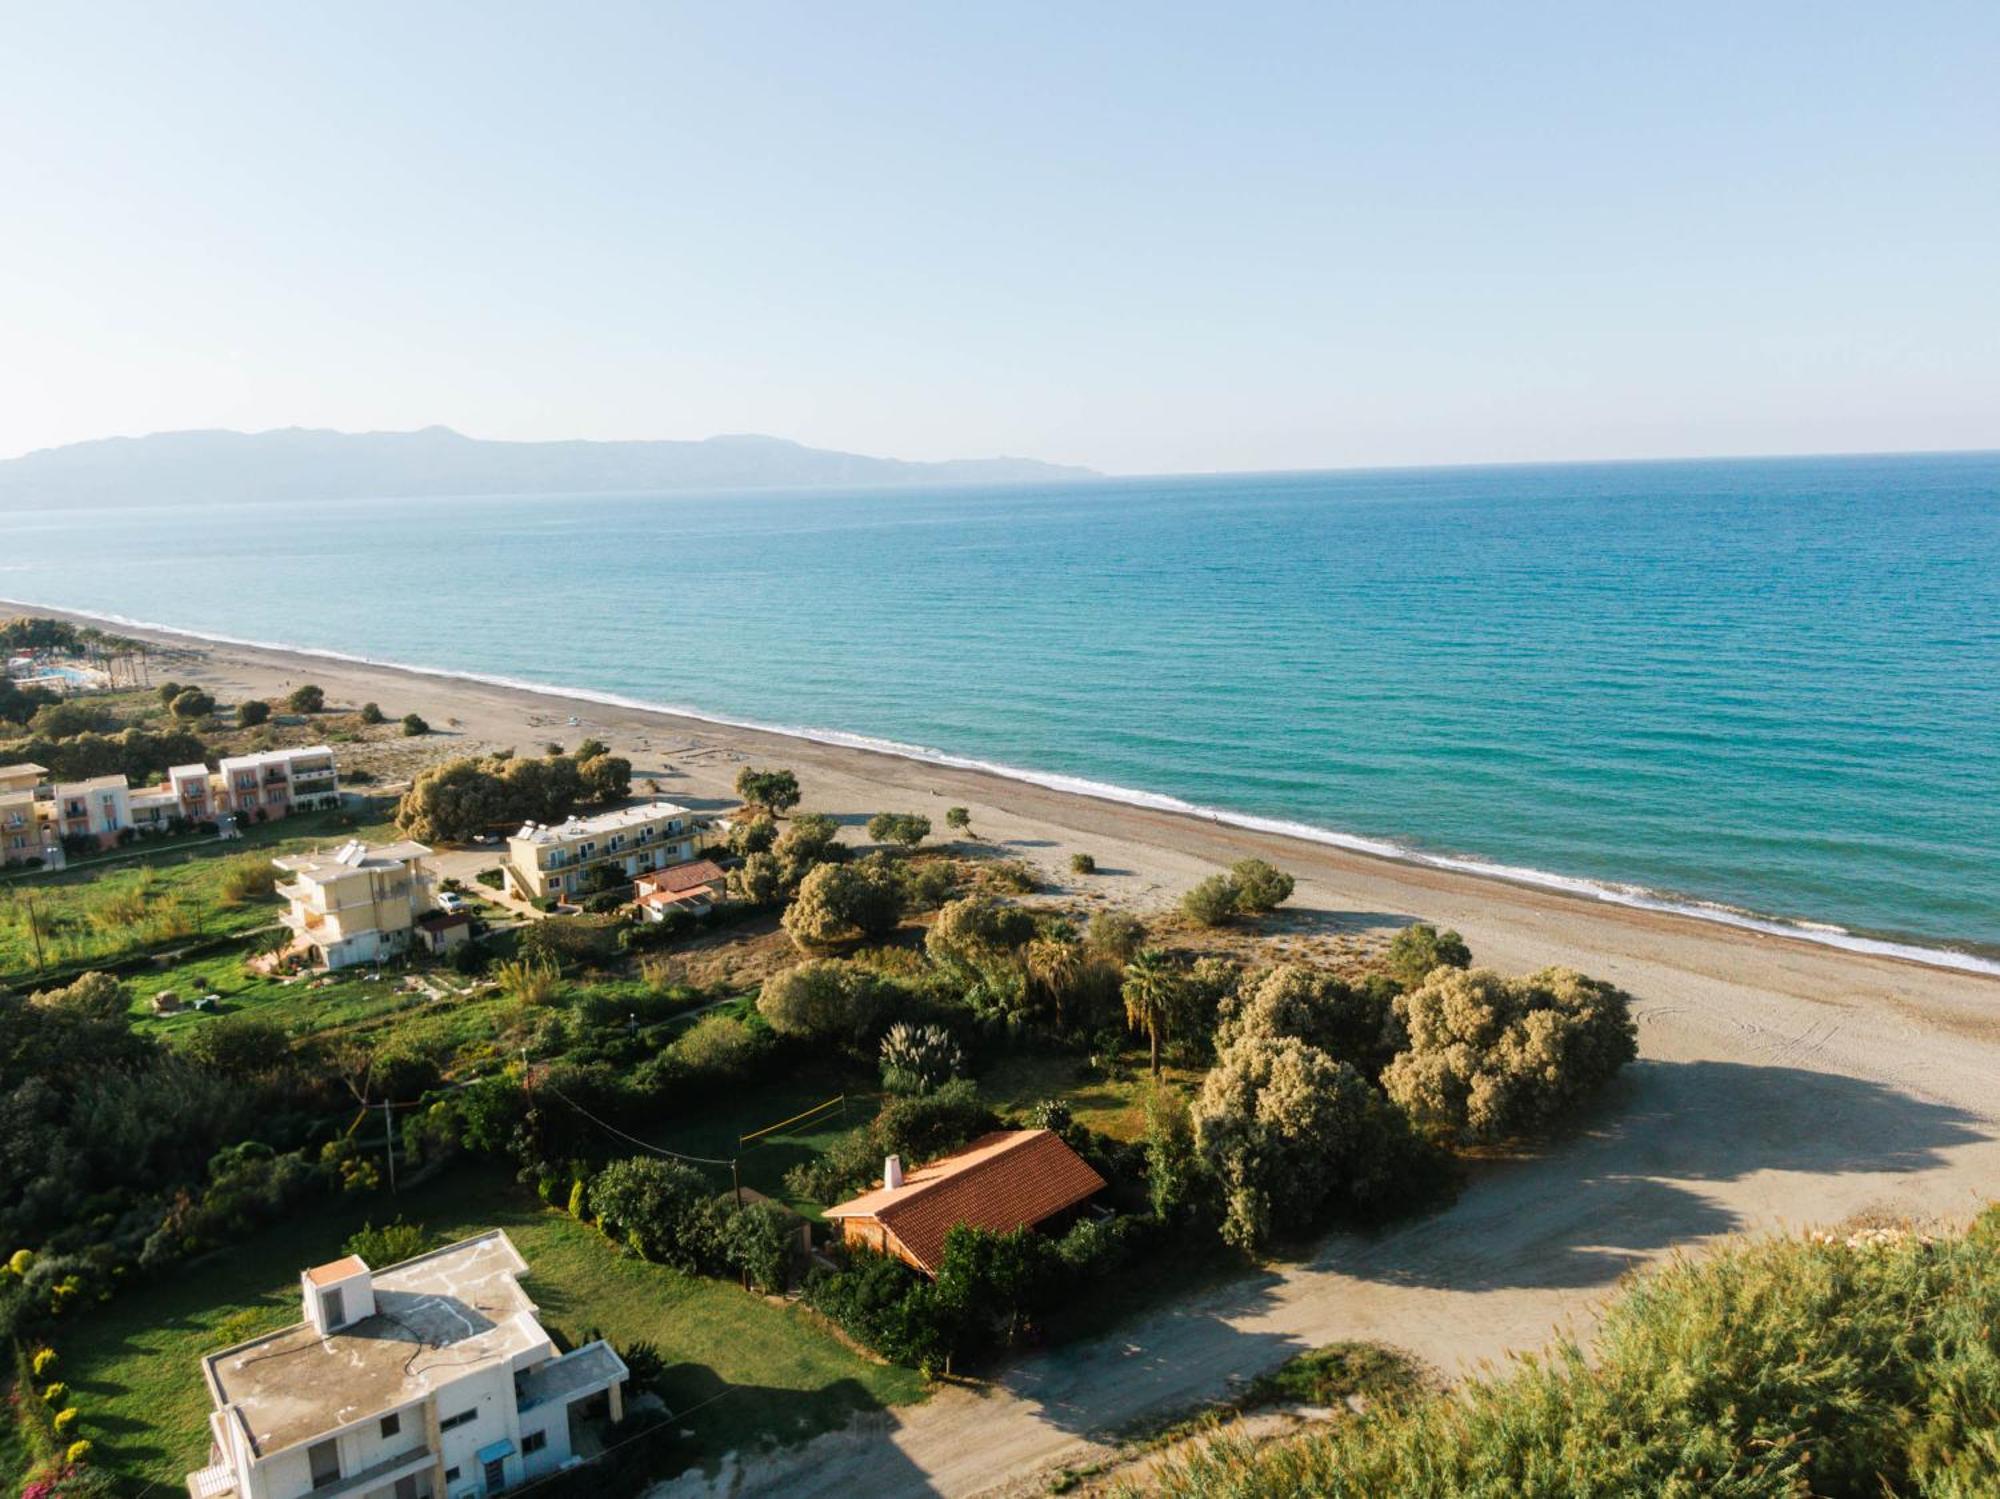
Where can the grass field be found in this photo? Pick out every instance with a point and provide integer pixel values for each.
(155, 896)
(1114, 1105)
(760, 1372)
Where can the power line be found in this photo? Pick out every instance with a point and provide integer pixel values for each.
(679, 1155)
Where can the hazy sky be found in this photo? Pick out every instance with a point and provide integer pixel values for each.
(1144, 237)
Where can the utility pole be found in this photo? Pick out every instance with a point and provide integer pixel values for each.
(35, 929)
(389, 1140)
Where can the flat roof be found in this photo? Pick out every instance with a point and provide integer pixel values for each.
(437, 1318)
(603, 822)
(350, 857)
(23, 768)
(272, 757)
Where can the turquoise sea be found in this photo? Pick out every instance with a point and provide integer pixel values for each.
(1765, 689)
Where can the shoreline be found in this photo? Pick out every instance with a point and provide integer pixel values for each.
(1973, 959)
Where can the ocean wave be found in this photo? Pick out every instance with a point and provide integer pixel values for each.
(1639, 897)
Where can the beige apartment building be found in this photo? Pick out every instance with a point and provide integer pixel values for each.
(357, 904)
(584, 854)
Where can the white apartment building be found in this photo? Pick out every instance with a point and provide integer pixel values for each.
(563, 861)
(276, 782)
(357, 904)
(431, 1379)
(255, 788)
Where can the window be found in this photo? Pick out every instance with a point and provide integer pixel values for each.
(534, 1441)
(451, 1475)
(325, 1460)
(391, 1425)
(406, 1487)
(458, 1420)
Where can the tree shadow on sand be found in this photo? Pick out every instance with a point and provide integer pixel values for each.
(1627, 1185)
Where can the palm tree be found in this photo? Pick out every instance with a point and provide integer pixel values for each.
(1150, 984)
(1054, 965)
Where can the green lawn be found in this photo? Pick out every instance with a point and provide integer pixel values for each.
(134, 1364)
(1114, 1106)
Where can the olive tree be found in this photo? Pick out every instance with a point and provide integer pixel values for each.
(823, 999)
(839, 903)
(776, 791)
(1493, 1058)
(904, 829)
(1357, 1025)
(811, 839)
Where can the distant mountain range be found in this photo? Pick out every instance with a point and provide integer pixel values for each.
(299, 463)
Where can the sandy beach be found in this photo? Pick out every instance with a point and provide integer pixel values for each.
(1781, 1083)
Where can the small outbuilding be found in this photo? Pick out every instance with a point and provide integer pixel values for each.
(693, 887)
(1009, 1179)
(441, 931)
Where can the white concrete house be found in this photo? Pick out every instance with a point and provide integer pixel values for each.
(358, 904)
(432, 1379)
(570, 858)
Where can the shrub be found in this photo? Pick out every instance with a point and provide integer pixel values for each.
(752, 835)
(839, 903)
(1353, 1025)
(1823, 1364)
(757, 1240)
(371, 713)
(1491, 1058)
(1419, 948)
(246, 878)
(904, 829)
(918, 1058)
(776, 791)
(1115, 934)
(811, 840)
(238, 1046)
(63, 1422)
(958, 819)
(414, 727)
(1290, 1135)
(1259, 886)
(306, 699)
(192, 703)
(757, 881)
(252, 713)
(721, 1048)
(659, 1209)
(1213, 902)
(1082, 864)
(924, 1126)
(823, 999)
(390, 1244)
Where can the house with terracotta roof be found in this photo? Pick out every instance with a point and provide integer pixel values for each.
(1009, 1179)
(693, 887)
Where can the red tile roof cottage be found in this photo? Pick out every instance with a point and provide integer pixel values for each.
(694, 887)
(1012, 1178)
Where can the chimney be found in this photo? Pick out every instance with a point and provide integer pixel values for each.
(892, 1172)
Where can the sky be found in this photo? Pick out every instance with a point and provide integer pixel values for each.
(1143, 237)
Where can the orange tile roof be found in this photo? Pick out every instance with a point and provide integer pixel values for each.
(680, 877)
(1003, 1181)
(326, 1275)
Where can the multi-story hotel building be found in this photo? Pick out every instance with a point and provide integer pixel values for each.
(576, 857)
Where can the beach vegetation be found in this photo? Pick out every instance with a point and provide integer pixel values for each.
(903, 829)
(18, 704)
(1854, 1362)
(809, 840)
(1115, 935)
(958, 819)
(372, 714)
(752, 835)
(307, 698)
(839, 904)
(451, 801)
(1214, 902)
(1150, 992)
(1082, 864)
(757, 881)
(251, 712)
(1260, 887)
(1486, 1058)
(414, 726)
(62, 719)
(1420, 947)
(192, 703)
(141, 755)
(774, 791)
